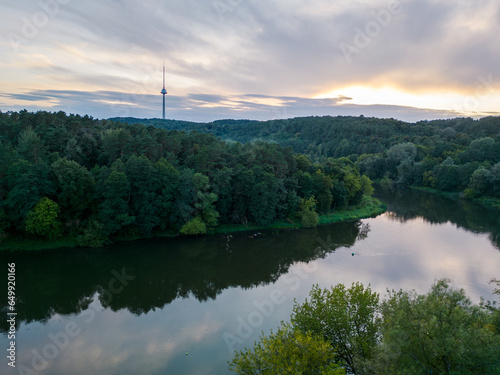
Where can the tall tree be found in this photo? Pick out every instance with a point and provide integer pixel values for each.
(74, 187)
(347, 318)
(114, 212)
(28, 184)
(145, 201)
(43, 221)
(30, 145)
(287, 351)
(441, 332)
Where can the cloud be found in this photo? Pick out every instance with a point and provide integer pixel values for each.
(206, 108)
(273, 49)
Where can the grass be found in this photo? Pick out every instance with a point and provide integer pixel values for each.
(369, 207)
(36, 245)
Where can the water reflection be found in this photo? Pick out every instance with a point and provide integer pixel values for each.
(141, 306)
(146, 275)
(163, 270)
(404, 205)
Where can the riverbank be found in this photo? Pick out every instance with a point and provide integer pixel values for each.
(489, 202)
(369, 207)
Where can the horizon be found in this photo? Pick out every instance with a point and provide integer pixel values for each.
(235, 59)
(244, 119)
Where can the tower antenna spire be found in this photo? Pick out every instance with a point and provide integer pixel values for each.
(163, 91)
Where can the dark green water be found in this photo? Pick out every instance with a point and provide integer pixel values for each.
(137, 308)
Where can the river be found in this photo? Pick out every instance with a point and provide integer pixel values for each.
(181, 306)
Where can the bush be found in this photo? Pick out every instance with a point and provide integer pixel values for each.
(287, 351)
(194, 227)
(309, 219)
(42, 220)
(93, 235)
(308, 215)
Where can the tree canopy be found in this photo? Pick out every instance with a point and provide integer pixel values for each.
(441, 332)
(114, 180)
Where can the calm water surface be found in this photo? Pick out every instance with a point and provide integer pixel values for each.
(138, 308)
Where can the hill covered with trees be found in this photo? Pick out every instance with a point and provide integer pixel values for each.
(67, 176)
(460, 155)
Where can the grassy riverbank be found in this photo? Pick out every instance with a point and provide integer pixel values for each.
(369, 207)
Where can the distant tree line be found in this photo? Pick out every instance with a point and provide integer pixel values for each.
(457, 155)
(66, 175)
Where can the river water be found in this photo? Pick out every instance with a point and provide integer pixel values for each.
(181, 306)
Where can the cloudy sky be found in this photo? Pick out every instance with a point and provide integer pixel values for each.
(407, 59)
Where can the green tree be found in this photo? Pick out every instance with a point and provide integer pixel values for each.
(400, 153)
(28, 184)
(346, 318)
(116, 144)
(366, 186)
(345, 171)
(441, 332)
(446, 175)
(262, 196)
(194, 227)
(481, 181)
(30, 145)
(288, 351)
(75, 188)
(145, 193)
(322, 190)
(308, 215)
(303, 162)
(205, 200)
(114, 212)
(8, 156)
(43, 221)
(93, 235)
(495, 179)
(168, 180)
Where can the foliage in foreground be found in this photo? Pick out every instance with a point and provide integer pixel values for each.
(438, 333)
(288, 351)
(441, 332)
(345, 317)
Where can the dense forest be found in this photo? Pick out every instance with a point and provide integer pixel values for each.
(459, 155)
(67, 176)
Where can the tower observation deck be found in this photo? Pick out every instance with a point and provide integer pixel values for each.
(163, 91)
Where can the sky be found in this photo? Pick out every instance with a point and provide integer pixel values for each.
(247, 59)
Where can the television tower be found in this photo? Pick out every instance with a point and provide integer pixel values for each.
(163, 91)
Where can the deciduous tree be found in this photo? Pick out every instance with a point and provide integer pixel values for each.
(344, 317)
(43, 220)
(287, 351)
